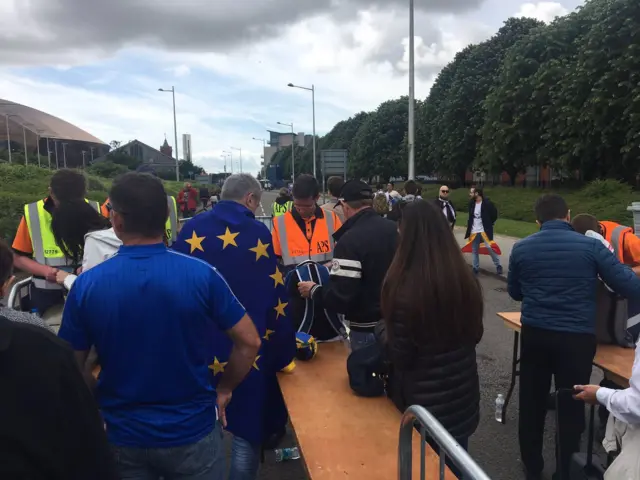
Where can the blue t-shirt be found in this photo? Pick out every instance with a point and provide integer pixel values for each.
(152, 313)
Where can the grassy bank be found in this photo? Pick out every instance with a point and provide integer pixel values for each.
(21, 184)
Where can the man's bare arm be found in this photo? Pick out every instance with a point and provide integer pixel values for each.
(29, 265)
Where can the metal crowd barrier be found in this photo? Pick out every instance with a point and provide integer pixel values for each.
(267, 220)
(448, 447)
(16, 291)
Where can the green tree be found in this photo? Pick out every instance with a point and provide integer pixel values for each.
(376, 147)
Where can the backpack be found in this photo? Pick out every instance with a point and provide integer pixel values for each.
(617, 318)
(308, 315)
(380, 204)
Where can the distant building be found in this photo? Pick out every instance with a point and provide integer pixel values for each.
(279, 140)
(166, 148)
(149, 156)
(186, 147)
(57, 139)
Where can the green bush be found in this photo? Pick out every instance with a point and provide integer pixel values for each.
(107, 169)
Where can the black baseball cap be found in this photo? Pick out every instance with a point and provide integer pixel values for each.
(355, 190)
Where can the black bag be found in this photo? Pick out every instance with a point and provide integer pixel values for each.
(366, 369)
(584, 466)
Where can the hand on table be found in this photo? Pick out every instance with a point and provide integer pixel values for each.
(587, 393)
(305, 288)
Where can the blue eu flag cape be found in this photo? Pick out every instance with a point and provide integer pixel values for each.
(229, 238)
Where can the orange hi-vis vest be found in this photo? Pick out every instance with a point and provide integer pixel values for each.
(614, 233)
(296, 247)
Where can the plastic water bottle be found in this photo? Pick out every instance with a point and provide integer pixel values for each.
(284, 454)
(499, 405)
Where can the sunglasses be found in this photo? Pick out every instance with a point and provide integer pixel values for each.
(444, 191)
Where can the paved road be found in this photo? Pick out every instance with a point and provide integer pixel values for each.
(494, 446)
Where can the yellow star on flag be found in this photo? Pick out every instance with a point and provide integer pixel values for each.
(268, 334)
(217, 366)
(277, 278)
(255, 363)
(195, 242)
(228, 238)
(280, 308)
(260, 250)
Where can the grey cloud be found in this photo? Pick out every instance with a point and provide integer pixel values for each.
(70, 28)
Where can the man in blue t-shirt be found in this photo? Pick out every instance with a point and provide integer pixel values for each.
(152, 315)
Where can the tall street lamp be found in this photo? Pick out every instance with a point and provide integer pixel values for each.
(293, 150)
(8, 138)
(263, 170)
(411, 133)
(64, 153)
(240, 150)
(175, 127)
(230, 154)
(313, 108)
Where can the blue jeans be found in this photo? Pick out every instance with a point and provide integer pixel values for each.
(358, 340)
(245, 460)
(475, 246)
(203, 460)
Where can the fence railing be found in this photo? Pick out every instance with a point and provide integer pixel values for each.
(16, 290)
(428, 425)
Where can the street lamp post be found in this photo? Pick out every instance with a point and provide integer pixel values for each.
(313, 109)
(240, 150)
(64, 153)
(263, 170)
(230, 155)
(175, 128)
(49, 153)
(411, 133)
(8, 138)
(293, 150)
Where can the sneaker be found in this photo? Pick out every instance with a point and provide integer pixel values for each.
(499, 269)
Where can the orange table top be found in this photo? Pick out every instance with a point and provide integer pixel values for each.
(340, 434)
(616, 360)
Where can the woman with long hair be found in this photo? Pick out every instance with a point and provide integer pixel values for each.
(432, 307)
(83, 235)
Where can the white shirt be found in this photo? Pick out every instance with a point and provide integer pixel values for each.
(477, 226)
(624, 404)
(98, 247)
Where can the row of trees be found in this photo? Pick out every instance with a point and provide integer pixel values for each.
(564, 95)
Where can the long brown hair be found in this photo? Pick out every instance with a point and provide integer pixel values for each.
(431, 283)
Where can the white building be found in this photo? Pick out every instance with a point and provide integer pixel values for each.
(186, 147)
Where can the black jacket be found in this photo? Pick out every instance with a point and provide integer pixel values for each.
(365, 246)
(50, 427)
(451, 210)
(488, 213)
(444, 380)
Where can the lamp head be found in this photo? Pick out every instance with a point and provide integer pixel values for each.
(290, 85)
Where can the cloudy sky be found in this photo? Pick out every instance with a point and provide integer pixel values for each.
(99, 64)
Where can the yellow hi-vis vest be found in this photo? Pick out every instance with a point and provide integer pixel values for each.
(171, 227)
(279, 209)
(45, 248)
